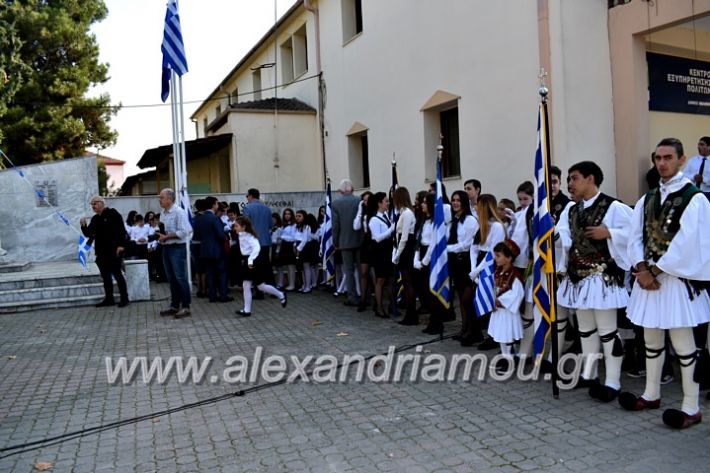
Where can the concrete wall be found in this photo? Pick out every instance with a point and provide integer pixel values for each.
(309, 201)
(33, 233)
(486, 54)
(581, 102)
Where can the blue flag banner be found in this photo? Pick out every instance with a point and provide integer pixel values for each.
(439, 283)
(185, 204)
(485, 300)
(543, 229)
(327, 249)
(84, 247)
(173, 48)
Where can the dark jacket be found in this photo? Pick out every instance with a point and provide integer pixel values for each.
(108, 232)
(344, 212)
(209, 231)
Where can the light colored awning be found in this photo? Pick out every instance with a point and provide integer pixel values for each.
(356, 129)
(439, 99)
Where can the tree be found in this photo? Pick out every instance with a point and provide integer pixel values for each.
(11, 66)
(49, 117)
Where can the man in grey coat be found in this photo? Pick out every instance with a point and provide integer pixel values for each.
(347, 240)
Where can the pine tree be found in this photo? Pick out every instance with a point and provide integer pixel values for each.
(48, 116)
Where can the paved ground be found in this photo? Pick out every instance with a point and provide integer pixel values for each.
(53, 381)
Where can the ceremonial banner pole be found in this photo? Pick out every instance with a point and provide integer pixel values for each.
(547, 227)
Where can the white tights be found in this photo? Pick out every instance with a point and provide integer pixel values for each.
(263, 287)
(602, 323)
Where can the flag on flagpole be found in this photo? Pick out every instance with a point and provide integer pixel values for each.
(84, 247)
(172, 47)
(543, 229)
(327, 248)
(439, 283)
(394, 215)
(485, 300)
(185, 203)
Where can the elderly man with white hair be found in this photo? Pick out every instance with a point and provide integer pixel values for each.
(178, 233)
(107, 230)
(346, 239)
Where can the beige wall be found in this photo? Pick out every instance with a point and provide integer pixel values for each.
(628, 27)
(684, 126)
(258, 145)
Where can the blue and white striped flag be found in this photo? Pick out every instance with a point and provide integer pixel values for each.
(543, 229)
(185, 203)
(173, 48)
(84, 247)
(327, 248)
(439, 283)
(485, 299)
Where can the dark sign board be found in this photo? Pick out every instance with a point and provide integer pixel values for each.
(678, 84)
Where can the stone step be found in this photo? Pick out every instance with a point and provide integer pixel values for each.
(14, 267)
(13, 307)
(49, 282)
(50, 293)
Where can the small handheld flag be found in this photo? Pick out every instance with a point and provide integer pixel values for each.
(327, 246)
(485, 299)
(84, 247)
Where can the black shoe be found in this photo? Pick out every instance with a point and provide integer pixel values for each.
(408, 322)
(243, 313)
(488, 344)
(468, 341)
(449, 317)
(585, 383)
(603, 393)
(284, 301)
(201, 295)
(457, 337)
(382, 315)
(227, 299)
(362, 308)
(350, 303)
(123, 303)
(105, 303)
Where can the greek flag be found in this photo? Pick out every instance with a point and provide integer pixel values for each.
(173, 48)
(327, 248)
(485, 300)
(543, 229)
(84, 247)
(185, 203)
(439, 283)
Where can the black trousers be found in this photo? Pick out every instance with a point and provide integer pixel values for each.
(109, 267)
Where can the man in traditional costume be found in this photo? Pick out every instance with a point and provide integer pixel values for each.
(594, 235)
(670, 251)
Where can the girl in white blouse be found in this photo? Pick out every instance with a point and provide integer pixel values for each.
(254, 268)
(381, 229)
(403, 256)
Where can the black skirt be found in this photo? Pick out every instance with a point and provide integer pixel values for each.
(366, 250)
(459, 268)
(258, 273)
(382, 258)
(406, 259)
(286, 254)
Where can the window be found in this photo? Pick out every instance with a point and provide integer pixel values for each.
(441, 125)
(218, 109)
(234, 96)
(449, 125)
(204, 126)
(294, 55)
(256, 84)
(352, 18)
(359, 156)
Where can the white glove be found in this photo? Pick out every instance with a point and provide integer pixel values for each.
(395, 258)
(417, 263)
(426, 261)
(473, 275)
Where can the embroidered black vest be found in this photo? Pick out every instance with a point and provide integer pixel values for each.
(662, 222)
(586, 256)
(558, 204)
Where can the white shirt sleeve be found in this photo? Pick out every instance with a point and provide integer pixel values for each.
(255, 249)
(379, 230)
(465, 238)
(617, 220)
(512, 298)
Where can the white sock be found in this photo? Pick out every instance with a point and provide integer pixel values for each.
(246, 285)
(270, 290)
(684, 344)
(590, 344)
(606, 322)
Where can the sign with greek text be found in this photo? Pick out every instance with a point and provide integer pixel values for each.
(678, 84)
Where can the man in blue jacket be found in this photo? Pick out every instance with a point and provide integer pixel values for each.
(260, 216)
(209, 231)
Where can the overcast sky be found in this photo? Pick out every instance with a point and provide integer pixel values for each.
(217, 34)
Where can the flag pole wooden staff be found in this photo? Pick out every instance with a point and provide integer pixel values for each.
(551, 277)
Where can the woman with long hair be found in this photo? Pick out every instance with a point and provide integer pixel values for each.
(490, 232)
(286, 261)
(403, 257)
(381, 229)
(361, 223)
(461, 233)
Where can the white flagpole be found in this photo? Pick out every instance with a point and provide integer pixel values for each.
(183, 170)
(176, 151)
